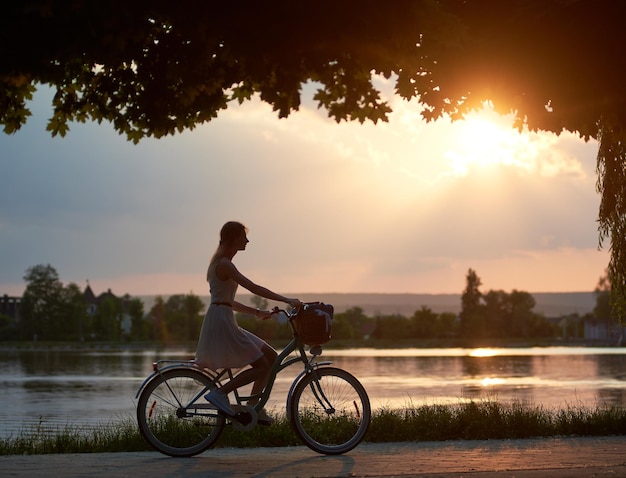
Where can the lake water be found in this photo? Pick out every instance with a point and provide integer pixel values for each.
(80, 388)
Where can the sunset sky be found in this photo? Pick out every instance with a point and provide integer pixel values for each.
(398, 207)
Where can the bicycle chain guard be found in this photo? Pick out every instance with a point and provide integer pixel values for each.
(245, 418)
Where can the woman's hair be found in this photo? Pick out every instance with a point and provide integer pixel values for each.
(228, 234)
(231, 231)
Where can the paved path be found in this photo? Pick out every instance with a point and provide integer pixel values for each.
(536, 458)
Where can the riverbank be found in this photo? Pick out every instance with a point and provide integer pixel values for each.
(476, 420)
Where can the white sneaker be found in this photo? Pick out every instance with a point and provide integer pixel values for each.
(220, 401)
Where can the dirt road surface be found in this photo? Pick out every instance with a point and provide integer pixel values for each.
(534, 458)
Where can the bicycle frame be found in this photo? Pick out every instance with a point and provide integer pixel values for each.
(282, 362)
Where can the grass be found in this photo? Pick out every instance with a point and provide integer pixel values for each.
(492, 420)
(476, 420)
(122, 435)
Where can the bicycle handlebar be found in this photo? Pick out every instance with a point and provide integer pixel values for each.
(277, 312)
(288, 313)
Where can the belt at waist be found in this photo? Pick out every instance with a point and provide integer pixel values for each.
(228, 304)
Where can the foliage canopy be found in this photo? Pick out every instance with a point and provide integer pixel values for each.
(154, 68)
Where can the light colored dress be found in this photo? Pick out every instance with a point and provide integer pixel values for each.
(222, 343)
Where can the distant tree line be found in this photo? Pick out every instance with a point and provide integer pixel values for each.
(52, 311)
(498, 314)
(49, 310)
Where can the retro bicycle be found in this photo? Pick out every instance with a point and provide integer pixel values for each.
(327, 407)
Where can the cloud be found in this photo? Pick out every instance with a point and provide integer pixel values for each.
(330, 207)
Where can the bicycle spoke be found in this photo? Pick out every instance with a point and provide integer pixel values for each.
(168, 425)
(330, 411)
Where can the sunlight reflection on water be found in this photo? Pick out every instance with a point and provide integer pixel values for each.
(71, 387)
(476, 352)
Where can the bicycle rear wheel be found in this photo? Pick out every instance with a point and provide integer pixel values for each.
(173, 415)
(330, 411)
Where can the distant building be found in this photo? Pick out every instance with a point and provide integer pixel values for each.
(604, 330)
(10, 306)
(94, 302)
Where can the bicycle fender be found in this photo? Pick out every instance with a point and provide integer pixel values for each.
(164, 369)
(302, 374)
(145, 382)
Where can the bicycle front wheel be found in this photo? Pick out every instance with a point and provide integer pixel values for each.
(330, 411)
(173, 415)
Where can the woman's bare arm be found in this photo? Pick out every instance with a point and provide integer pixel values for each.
(226, 269)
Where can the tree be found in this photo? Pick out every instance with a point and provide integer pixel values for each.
(446, 326)
(154, 68)
(175, 320)
(392, 327)
(342, 329)
(472, 320)
(259, 302)
(108, 320)
(602, 309)
(351, 324)
(193, 310)
(158, 329)
(495, 315)
(511, 315)
(40, 308)
(523, 322)
(423, 323)
(74, 312)
(8, 328)
(138, 323)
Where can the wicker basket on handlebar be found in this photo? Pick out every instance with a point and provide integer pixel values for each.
(313, 323)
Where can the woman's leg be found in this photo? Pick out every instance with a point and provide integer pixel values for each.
(269, 356)
(258, 373)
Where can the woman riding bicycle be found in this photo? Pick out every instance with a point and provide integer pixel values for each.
(222, 343)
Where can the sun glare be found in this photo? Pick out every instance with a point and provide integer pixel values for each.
(482, 352)
(482, 140)
(491, 381)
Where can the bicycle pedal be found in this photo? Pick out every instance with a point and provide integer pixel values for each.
(245, 418)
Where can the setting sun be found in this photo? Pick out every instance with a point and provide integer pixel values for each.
(485, 139)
